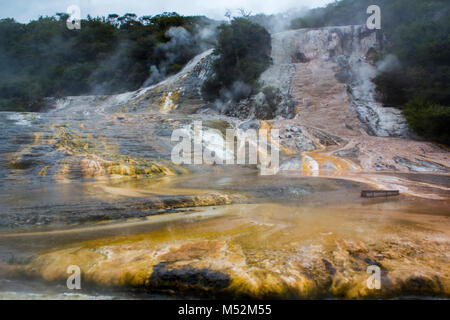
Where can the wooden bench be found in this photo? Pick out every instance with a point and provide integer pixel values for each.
(379, 193)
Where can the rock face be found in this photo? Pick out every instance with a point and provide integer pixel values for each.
(345, 53)
(258, 107)
(307, 58)
(339, 127)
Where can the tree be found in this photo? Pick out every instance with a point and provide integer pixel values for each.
(244, 50)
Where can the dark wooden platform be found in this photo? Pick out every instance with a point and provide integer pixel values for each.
(379, 193)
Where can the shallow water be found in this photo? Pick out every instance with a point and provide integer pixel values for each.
(278, 223)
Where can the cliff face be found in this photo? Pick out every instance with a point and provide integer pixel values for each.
(328, 118)
(338, 128)
(313, 64)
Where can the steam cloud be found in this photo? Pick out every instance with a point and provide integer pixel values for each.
(388, 64)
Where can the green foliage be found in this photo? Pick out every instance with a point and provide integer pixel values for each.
(211, 89)
(107, 55)
(429, 120)
(244, 51)
(418, 33)
(392, 88)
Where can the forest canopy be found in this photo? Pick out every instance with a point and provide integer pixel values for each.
(107, 55)
(243, 49)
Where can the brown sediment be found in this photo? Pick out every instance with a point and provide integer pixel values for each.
(99, 159)
(322, 101)
(270, 251)
(61, 176)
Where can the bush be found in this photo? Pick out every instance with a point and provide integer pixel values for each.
(429, 120)
(211, 89)
(243, 50)
(392, 88)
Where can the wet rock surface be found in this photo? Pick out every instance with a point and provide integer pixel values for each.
(240, 258)
(420, 165)
(94, 211)
(339, 128)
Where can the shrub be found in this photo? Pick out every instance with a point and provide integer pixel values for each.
(392, 88)
(243, 50)
(429, 120)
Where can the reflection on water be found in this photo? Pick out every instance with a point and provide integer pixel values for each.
(279, 233)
